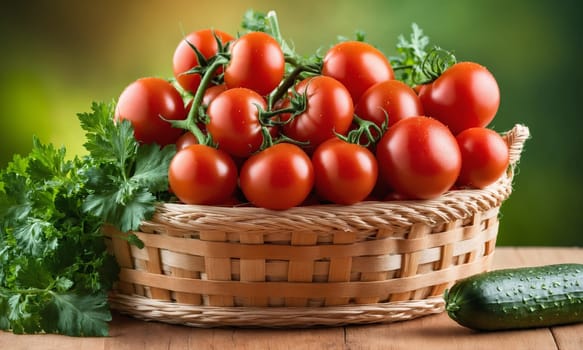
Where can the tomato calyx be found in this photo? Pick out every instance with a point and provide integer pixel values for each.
(298, 103)
(364, 131)
(436, 62)
(204, 63)
(270, 119)
(298, 73)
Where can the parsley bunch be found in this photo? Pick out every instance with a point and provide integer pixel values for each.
(55, 271)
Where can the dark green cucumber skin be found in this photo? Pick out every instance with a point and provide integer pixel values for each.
(518, 298)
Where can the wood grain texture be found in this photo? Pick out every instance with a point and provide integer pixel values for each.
(435, 332)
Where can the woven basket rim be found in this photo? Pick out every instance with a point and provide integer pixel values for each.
(273, 317)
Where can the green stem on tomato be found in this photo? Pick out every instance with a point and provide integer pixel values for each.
(290, 80)
(299, 64)
(269, 141)
(287, 83)
(364, 128)
(292, 60)
(190, 123)
(298, 105)
(408, 66)
(274, 25)
(434, 64)
(265, 116)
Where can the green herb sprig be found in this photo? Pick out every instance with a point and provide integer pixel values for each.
(55, 271)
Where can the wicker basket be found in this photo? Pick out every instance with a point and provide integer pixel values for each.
(328, 265)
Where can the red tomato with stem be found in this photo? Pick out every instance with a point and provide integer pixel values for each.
(277, 178)
(329, 110)
(466, 95)
(345, 173)
(144, 103)
(200, 174)
(257, 63)
(185, 57)
(357, 65)
(234, 121)
(485, 157)
(419, 158)
(390, 99)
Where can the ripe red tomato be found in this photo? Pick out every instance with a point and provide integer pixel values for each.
(278, 178)
(257, 63)
(357, 65)
(345, 173)
(329, 109)
(419, 158)
(466, 95)
(200, 174)
(234, 121)
(485, 157)
(185, 57)
(186, 140)
(144, 102)
(392, 98)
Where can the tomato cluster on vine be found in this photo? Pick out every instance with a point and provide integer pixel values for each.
(253, 122)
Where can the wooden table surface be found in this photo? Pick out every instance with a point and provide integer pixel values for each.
(430, 332)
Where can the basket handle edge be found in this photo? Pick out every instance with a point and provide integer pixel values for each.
(515, 138)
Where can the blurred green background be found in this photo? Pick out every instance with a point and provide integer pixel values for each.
(59, 56)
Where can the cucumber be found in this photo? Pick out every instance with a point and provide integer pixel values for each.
(518, 298)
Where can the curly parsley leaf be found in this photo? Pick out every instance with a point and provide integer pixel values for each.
(417, 63)
(51, 252)
(151, 169)
(125, 180)
(107, 141)
(55, 270)
(123, 205)
(36, 236)
(80, 316)
(412, 52)
(255, 21)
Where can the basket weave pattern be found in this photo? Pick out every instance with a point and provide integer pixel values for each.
(318, 265)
